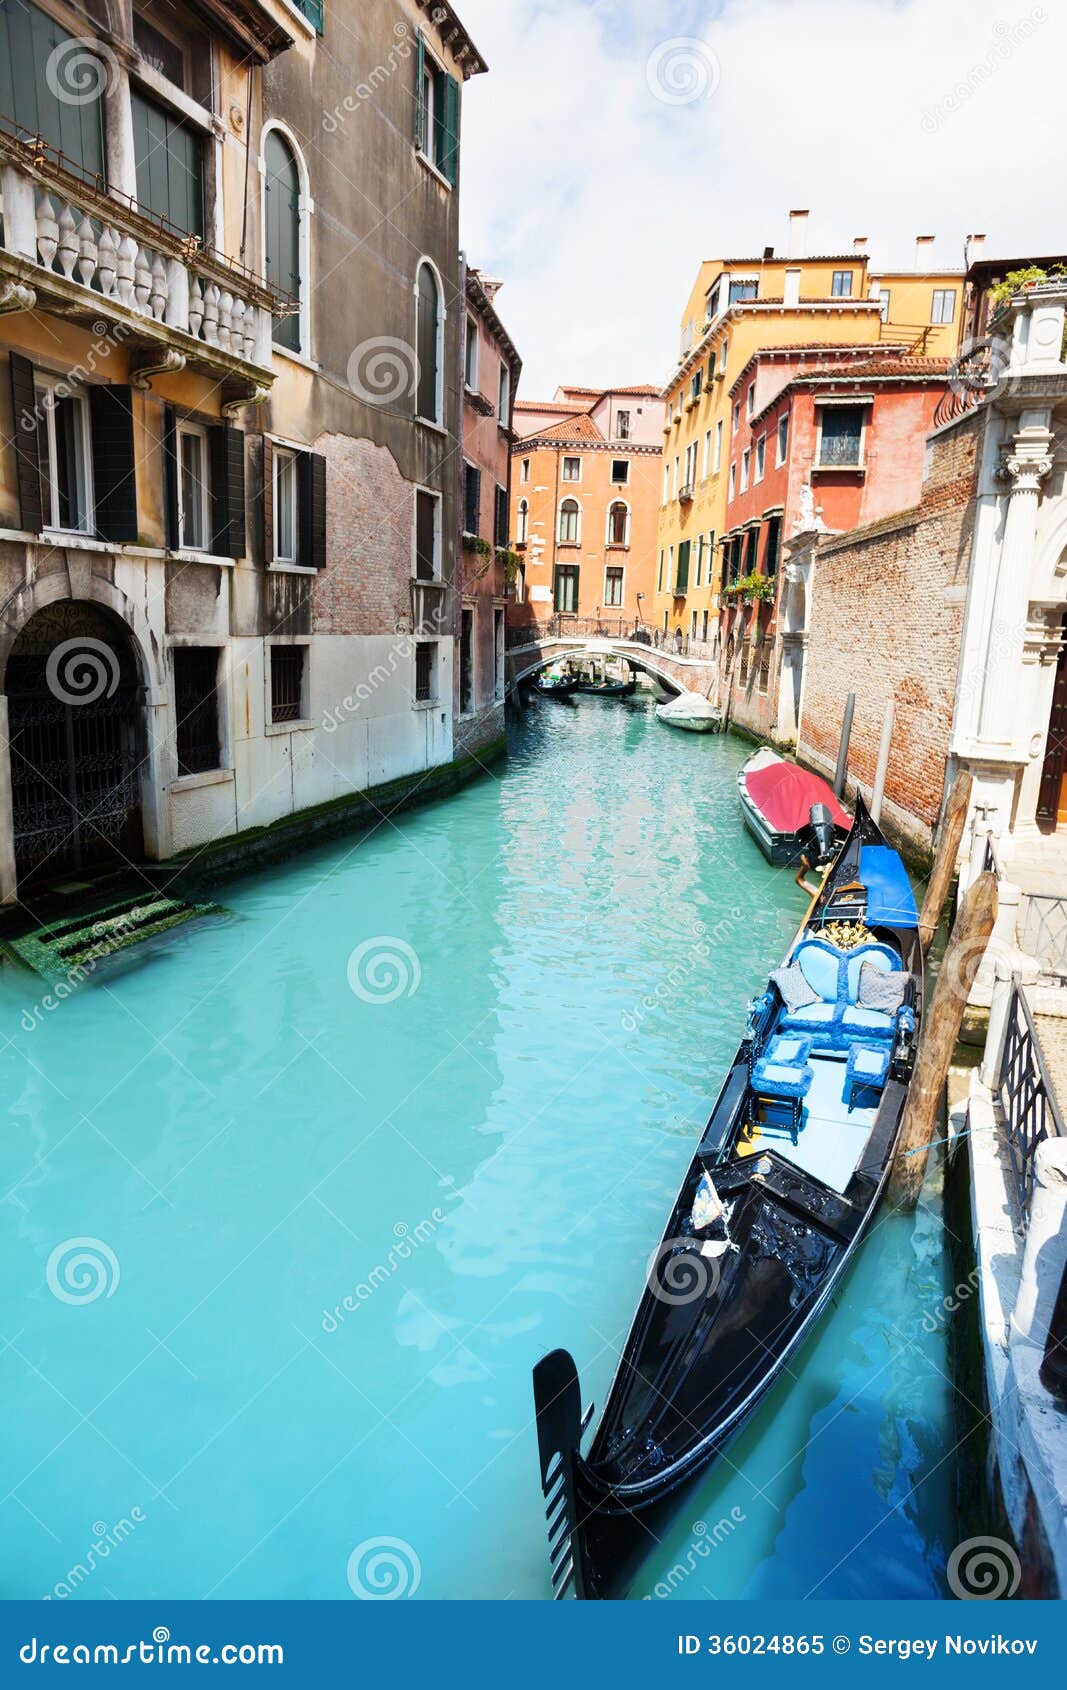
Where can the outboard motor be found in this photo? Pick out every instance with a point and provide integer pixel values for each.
(818, 841)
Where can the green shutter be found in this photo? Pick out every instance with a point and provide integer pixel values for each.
(32, 89)
(448, 162)
(281, 235)
(683, 567)
(170, 166)
(420, 94)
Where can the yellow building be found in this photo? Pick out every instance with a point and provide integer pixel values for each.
(740, 306)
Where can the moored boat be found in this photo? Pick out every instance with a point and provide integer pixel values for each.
(778, 1197)
(556, 685)
(777, 799)
(692, 712)
(609, 688)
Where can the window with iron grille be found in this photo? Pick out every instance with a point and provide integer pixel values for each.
(287, 682)
(765, 652)
(425, 653)
(196, 708)
(841, 435)
(466, 663)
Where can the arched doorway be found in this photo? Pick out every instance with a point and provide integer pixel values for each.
(75, 729)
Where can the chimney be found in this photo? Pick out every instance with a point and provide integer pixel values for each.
(923, 251)
(798, 234)
(975, 249)
(859, 246)
(791, 293)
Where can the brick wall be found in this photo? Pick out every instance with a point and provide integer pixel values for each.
(886, 622)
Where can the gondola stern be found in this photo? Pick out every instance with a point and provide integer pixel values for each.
(560, 1425)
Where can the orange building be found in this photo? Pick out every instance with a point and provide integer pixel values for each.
(586, 479)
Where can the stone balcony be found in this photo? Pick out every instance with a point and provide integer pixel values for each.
(72, 248)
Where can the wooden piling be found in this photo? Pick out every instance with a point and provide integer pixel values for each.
(841, 772)
(882, 769)
(948, 849)
(941, 1031)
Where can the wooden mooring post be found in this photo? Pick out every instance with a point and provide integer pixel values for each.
(941, 1030)
(841, 772)
(953, 823)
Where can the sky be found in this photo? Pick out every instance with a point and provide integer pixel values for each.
(616, 143)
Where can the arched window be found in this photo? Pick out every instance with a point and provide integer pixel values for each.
(428, 343)
(285, 235)
(619, 524)
(570, 522)
(524, 520)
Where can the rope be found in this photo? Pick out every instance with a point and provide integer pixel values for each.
(965, 1132)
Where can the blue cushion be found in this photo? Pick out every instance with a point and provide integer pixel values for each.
(819, 963)
(867, 1062)
(780, 1080)
(814, 1017)
(867, 1021)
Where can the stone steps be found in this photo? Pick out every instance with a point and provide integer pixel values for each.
(75, 945)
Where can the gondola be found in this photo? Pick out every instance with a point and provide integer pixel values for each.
(609, 689)
(556, 686)
(777, 798)
(784, 1184)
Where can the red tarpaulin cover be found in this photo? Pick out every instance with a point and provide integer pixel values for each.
(784, 794)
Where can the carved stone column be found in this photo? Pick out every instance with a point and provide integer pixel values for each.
(1026, 463)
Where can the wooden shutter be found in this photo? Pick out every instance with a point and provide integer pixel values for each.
(420, 94)
(114, 477)
(473, 500)
(170, 476)
(682, 584)
(449, 163)
(227, 450)
(267, 499)
(311, 484)
(24, 421)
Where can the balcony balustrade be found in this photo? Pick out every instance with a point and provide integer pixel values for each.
(75, 249)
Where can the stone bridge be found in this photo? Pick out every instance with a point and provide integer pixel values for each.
(677, 673)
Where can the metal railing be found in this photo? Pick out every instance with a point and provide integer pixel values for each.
(1025, 1096)
(672, 643)
(1043, 933)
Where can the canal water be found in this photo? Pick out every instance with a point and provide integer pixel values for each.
(293, 1206)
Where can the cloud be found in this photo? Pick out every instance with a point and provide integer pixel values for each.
(594, 186)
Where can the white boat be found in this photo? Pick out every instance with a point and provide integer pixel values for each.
(691, 711)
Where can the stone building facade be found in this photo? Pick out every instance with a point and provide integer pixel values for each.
(229, 508)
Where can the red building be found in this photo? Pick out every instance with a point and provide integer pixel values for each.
(825, 438)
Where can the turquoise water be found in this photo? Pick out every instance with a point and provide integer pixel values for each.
(348, 1163)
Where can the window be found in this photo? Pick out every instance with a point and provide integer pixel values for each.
(691, 464)
(766, 651)
(681, 585)
(750, 399)
(733, 480)
(524, 522)
(169, 160)
(772, 555)
(623, 425)
(620, 472)
(742, 290)
(499, 643)
(752, 549)
(63, 456)
(503, 407)
(707, 454)
(696, 385)
(613, 578)
(428, 344)
(841, 435)
(782, 447)
(717, 460)
(570, 521)
(572, 469)
(944, 305)
(704, 625)
(283, 235)
(711, 365)
(746, 462)
(466, 663)
(425, 671)
(619, 524)
(196, 708)
(472, 499)
(883, 300)
(158, 51)
(500, 525)
(711, 554)
(427, 535)
(735, 418)
(712, 302)
(67, 113)
(761, 456)
(666, 483)
(693, 626)
(470, 356)
(698, 575)
(566, 596)
(285, 506)
(193, 488)
(841, 285)
(525, 472)
(287, 683)
(436, 115)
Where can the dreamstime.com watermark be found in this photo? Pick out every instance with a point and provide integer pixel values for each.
(705, 1538)
(700, 942)
(82, 1270)
(105, 933)
(409, 1240)
(1007, 39)
(106, 1539)
(683, 70)
(401, 655)
(384, 1569)
(158, 1650)
(383, 969)
(984, 1569)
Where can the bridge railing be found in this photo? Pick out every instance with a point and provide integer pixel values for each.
(671, 644)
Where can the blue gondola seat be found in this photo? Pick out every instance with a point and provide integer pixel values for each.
(836, 1019)
(781, 1079)
(865, 1074)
